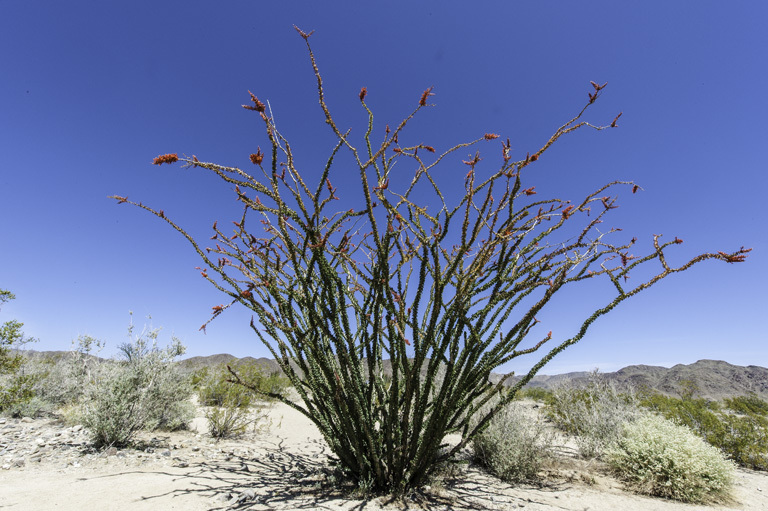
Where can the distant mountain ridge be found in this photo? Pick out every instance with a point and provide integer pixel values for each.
(713, 379)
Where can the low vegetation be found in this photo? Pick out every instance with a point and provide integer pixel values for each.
(595, 413)
(515, 444)
(232, 408)
(683, 448)
(660, 458)
(738, 427)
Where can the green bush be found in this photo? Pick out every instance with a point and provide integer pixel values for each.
(535, 393)
(700, 415)
(745, 440)
(594, 413)
(747, 405)
(743, 436)
(15, 384)
(514, 445)
(234, 407)
(660, 458)
(144, 391)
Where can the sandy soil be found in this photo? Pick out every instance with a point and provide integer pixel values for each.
(285, 468)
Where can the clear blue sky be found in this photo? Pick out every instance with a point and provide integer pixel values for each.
(90, 92)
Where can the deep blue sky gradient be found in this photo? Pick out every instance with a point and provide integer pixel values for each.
(90, 92)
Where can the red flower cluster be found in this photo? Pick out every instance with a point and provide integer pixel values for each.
(424, 96)
(166, 158)
(258, 105)
(258, 157)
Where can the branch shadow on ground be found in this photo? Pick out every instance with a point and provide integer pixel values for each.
(276, 477)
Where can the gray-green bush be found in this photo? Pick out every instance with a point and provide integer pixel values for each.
(422, 267)
(594, 413)
(657, 457)
(515, 444)
(146, 391)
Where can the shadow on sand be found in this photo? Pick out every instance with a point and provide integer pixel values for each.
(278, 478)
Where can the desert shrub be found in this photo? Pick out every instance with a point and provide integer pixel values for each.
(419, 268)
(15, 385)
(657, 457)
(126, 395)
(594, 413)
(514, 445)
(742, 436)
(216, 388)
(747, 405)
(535, 393)
(233, 407)
(745, 440)
(700, 415)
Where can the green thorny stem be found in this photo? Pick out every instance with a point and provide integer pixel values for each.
(339, 298)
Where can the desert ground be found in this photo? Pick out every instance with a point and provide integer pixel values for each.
(46, 465)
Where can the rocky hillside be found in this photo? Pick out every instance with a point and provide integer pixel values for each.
(712, 379)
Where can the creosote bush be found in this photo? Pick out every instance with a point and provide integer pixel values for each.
(362, 304)
(15, 384)
(232, 408)
(657, 457)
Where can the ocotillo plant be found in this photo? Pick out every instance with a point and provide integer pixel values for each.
(442, 292)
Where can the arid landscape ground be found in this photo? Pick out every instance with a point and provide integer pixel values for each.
(47, 465)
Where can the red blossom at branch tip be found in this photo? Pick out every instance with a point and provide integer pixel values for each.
(302, 33)
(429, 148)
(678, 240)
(598, 87)
(363, 92)
(490, 136)
(613, 123)
(530, 191)
(425, 95)
(258, 105)
(567, 212)
(534, 157)
(166, 158)
(258, 157)
(635, 188)
(735, 258)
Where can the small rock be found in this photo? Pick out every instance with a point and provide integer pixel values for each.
(112, 451)
(77, 428)
(19, 463)
(196, 448)
(2, 420)
(35, 459)
(7, 466)
(165, 453)
(27, 419)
